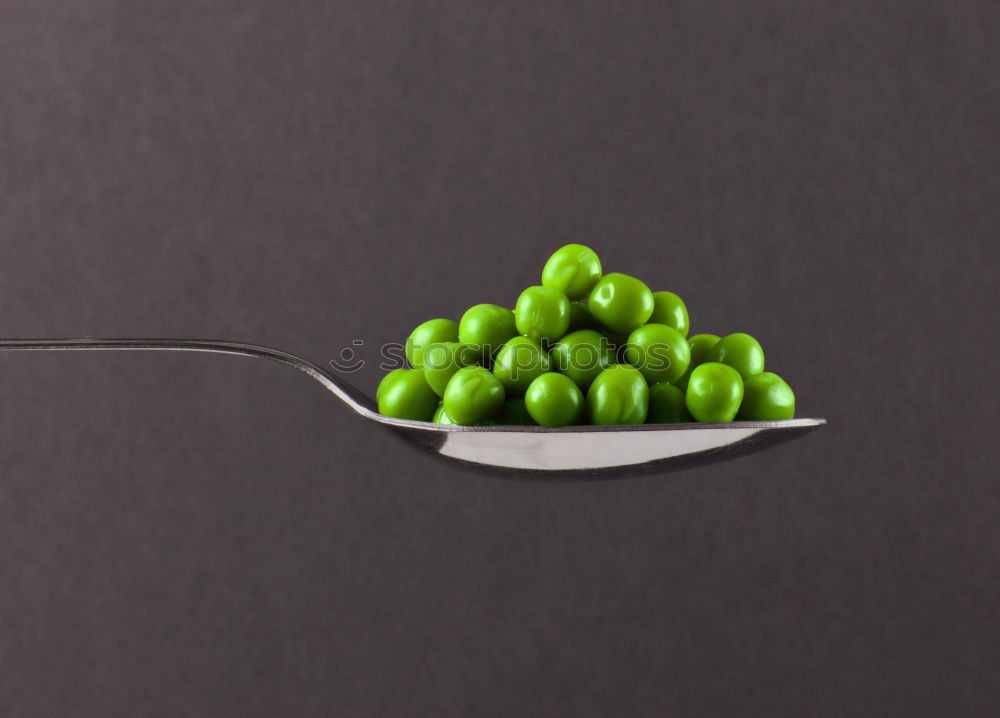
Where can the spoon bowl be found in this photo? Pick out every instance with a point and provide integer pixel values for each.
(570, 452)
(597, 452)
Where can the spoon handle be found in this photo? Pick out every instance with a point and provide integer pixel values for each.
(342, 389)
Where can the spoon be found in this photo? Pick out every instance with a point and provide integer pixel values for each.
(567, 452)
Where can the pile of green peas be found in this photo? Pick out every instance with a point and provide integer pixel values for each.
(582, 348)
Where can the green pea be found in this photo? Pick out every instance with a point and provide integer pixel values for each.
(573, 270)
(515, 413)
(619, 395)
(441, 361)
(473, 395)
(714, 392)
(740, 351)
(404, 394)
(621, 303)
(666, 405)
(431, 332)
(582, 355)
(660, 352)
(542, 313)
(579, 317)
(441, 416)
(669, 309)
(519, 362)
(766, 397)
(700, 345)
(486, 327)
(554, 400)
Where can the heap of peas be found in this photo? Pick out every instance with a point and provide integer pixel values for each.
(582, 348)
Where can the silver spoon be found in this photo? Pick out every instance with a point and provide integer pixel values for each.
(571, 452)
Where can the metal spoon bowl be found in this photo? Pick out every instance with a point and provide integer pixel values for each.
(571, 452)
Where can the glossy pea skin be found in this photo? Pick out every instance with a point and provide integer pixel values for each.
(442, 360)
(554, 400)
(542, 314)
(669, 309)
(582, 355)
(405, 394)
(714, 392)
(579, 317)
(434, 331)
(486, 327)
(766, 397)
(660, 352)
(518, 363)
(619, 395)
(515, 413)
(473, 395)
(573, 270)
(666, 405)
(700, 345)
(740, 351)
(621, 303)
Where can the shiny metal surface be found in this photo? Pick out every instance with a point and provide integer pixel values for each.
(573, 452)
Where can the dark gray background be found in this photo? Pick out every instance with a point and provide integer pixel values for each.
(196, 535)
